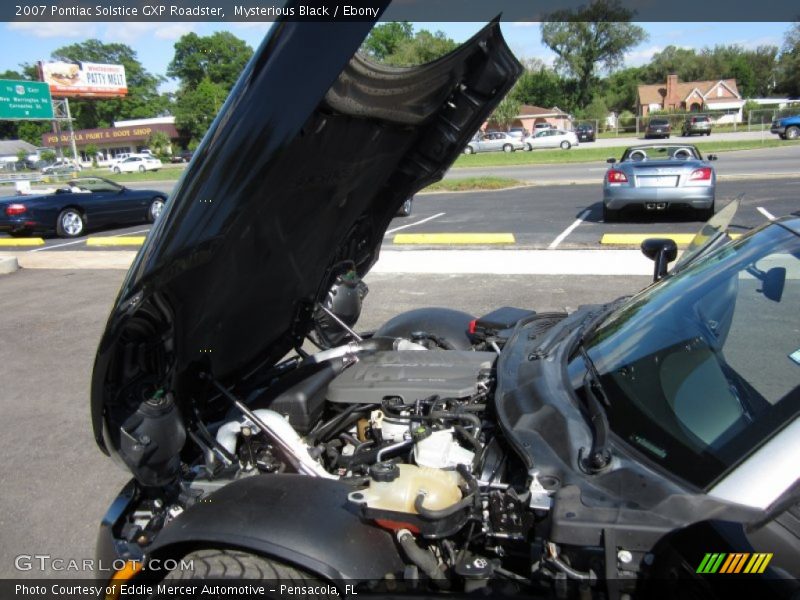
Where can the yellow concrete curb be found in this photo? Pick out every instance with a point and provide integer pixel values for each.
(130, 240)
(454, 238)
(21, 242)
(635, 239)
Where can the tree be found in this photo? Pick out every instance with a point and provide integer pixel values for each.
(423, 48)
(219, 58)
(541, 86)
(621, 89)
(789, 64)
(195, 108)
(505, 112)
(158, 142)
(91, 151)
(384, 39)
(143, 99)
(597, 35)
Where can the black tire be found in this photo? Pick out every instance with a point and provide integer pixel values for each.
(610, 215)
(116, 170)
(792, 132)
(155, 209)
(224, 564)
(469, 150)
(508, 148)
(141, 168)
(565, 145)
(708, 133)
(19, 234)
(528, 148)
(70, 223)
(704, 214)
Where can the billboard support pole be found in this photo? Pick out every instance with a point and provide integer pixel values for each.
(71, 132)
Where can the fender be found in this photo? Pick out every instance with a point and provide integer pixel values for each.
(304, 521)
(452, 325)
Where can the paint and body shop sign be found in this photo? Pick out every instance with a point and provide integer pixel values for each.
(84, 79)
(110, 135)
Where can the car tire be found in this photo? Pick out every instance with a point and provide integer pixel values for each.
(19, 234)
(469, 150)
(116, 170)
(141, 168)
(508, 148)
(708, 133)
(405, 208)
(528, 148)
(610, 215)
(704, 214)
(229, 564)
(155, 209)
(565, 145)
(70, 223)
(793, 132)
(780, 135)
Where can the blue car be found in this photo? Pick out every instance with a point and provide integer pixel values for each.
(77, 205)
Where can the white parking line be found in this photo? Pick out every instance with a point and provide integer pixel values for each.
(420, 222)
(581, 218)
(765, 212)
(83, 241)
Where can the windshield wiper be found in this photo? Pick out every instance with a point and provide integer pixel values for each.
(599, 454)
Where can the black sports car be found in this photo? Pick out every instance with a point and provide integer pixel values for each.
(617, 451)
(77, 205)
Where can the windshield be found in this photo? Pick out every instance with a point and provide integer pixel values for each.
(703, 367)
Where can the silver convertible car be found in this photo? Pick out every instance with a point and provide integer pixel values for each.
(660, 177)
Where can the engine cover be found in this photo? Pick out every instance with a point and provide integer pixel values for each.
(411, 375)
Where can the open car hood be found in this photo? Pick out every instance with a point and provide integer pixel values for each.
(298, 177)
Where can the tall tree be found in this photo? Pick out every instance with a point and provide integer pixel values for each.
(219, 57)
(195, 108)
(384, 39)
(505, 112)
(789, 66)
(424, 47)
(541, 86)
(143, 99)
(591, 37)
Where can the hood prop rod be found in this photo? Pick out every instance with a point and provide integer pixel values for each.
(341, 323)
(288, 452)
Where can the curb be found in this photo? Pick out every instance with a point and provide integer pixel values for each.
(8, 265)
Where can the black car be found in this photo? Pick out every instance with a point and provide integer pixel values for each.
(77, 205)
(183, 156)
(585, 132)
(606, 452)
(658, 128)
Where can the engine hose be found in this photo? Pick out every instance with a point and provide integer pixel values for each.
(469, 438)
(424, 559)
(458, 416)
(554, 560)
(435, 515)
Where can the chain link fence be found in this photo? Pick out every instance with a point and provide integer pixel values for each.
(761, 119)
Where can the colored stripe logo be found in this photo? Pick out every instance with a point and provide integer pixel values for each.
(736, 562)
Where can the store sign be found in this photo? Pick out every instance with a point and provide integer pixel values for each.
(84, 79)
(109, 135)
(25, 100)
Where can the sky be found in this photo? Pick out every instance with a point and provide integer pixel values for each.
(153, 42)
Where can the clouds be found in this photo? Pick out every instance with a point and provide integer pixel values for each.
(126, 32)
(56, 29)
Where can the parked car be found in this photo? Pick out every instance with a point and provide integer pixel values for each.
(787, 128)
(585, 132)
(541, 126)
(78, 204)
(183, 156)
(699, 124)
(495, 141)
(517, 453)
(658, 128)
(660, 178)
(518, 132)
(61, 165)
(551, 138)
(136, 163)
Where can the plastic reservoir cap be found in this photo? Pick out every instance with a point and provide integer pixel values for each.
(384, 472)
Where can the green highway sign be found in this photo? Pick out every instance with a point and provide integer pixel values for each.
(25, 100)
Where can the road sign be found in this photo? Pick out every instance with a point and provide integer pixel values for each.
(25, 100)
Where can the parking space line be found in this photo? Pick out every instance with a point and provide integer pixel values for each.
(119, 240)
(58, 245)
(634, 239)
(581, 218)
(766, 213)
(420, 222)
(21, 242)
(454, 238)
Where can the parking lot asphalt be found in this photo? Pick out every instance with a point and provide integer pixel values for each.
(535, 217)
(57, 484)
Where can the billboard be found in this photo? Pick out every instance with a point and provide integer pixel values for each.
(84, 79)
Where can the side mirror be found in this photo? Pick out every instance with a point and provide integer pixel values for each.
(611, 161)
(712, 157)
(661, 251)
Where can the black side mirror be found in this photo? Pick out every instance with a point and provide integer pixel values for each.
(712, 157)
(662, 251)
(611, 161)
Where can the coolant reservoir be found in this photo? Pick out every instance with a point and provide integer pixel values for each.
(403, 483)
